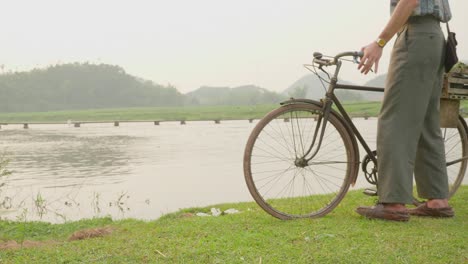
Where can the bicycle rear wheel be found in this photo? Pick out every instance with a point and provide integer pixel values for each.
(456, 148)
(278, 181)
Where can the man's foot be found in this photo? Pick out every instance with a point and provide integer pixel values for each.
(424, 210)
(381, 211)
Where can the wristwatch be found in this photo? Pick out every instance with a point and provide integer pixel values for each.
(381, 42)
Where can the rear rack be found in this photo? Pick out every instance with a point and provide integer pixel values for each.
(455, 88)
(456, 85)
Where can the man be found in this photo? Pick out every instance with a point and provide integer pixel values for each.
(408, 136)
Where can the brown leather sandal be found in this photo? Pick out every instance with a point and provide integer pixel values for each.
(423, 210)
(380, 212)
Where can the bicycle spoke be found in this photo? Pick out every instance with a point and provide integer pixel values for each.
(275, 141)
(286, 185)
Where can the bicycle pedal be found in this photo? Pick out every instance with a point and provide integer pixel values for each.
(370, 192)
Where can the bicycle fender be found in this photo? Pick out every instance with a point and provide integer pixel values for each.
(463, 122)
(303, 101)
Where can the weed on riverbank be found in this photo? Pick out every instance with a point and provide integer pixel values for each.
(251, 236)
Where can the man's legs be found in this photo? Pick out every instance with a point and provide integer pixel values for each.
(430, 171)
(411, 91)
(431, 155)
(408, 101)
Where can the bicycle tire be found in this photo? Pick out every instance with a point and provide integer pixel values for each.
(281, 187)
(456, 147)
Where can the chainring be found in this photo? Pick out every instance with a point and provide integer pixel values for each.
(369, 167)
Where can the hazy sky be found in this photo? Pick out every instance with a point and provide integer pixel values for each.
(191, 43)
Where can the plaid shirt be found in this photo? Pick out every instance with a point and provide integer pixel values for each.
(438, 8)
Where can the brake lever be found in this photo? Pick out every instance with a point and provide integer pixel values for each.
(324, 71)
(355, 60)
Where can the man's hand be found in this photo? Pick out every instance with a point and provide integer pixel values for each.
(372, 54)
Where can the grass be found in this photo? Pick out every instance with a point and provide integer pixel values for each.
(363, 108)
(188, 113)
(166, 113)
(143, 114)
(251, 237)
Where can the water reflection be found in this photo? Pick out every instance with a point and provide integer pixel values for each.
(49, 159)
(136, 170)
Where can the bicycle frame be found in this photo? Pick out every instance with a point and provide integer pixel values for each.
(328, 101)
(335, 85)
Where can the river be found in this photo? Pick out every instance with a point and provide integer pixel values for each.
(135, 170)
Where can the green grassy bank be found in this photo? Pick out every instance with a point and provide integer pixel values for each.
(251, 236)
(188, 113)
(149, 114)
(166, 113)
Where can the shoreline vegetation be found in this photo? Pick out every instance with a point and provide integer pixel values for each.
(251, 236)
(187, 113)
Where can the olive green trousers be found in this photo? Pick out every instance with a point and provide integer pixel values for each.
(409, 139)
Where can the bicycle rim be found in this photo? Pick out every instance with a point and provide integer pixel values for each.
(281, 187)
(456, 144)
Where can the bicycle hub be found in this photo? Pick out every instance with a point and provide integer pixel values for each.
(301, 162)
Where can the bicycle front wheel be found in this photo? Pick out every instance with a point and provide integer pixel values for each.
(274, 169)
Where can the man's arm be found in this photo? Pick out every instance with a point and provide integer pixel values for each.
(373, 51)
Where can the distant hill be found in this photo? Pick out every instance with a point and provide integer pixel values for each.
(81, 86)
(89, 86)
(311, 87)
(378, 81)
(242, 95)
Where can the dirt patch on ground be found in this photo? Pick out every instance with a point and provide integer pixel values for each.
(186, 215)
(26, 244)
(90, 233)
(78, 235)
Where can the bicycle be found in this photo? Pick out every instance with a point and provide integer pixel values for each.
(302, 157)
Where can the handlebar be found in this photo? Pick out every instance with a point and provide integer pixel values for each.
(350, 53)
(318, 57)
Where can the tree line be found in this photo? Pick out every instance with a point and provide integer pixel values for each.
(80, 86)
(76, 86)
(92, 86)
